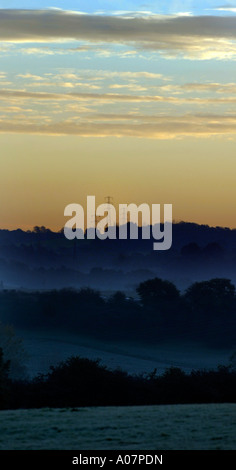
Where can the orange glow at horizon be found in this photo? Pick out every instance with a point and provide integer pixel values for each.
(41, 175)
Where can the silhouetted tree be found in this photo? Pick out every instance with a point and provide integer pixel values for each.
(41, 229)
(215, 294)
(232, 364)
(192, 249)
(13, 351)
(155, 291)
(213, 250)
(4, 370)
(88, 295)
(84, 382)
(211, 306)
(117, 299)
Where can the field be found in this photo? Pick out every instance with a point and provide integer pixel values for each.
(172, 427)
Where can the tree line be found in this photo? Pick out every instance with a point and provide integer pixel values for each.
(205, 312)
(81, 382)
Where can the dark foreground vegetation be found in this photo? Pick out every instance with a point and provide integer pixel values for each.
(204, 313)
(80, 382)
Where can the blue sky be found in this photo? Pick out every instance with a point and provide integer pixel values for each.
(150, 67)
(163, 6)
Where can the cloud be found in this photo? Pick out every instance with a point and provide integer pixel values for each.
(94, 75)
(31, 76)
(108, 97)
(130, 86)
(210, 87)
(42, 51)
(131, 75)
(156, 127)
(7, 94)
(229, 8)
(4, 82)
(184, 13)
(87, 48)
(202, 37)
(58, 84)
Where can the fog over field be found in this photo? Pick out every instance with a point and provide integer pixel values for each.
(45, 349)
(42, 259)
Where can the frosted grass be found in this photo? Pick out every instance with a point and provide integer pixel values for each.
(171, 427)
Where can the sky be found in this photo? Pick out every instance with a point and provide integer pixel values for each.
(129, 99)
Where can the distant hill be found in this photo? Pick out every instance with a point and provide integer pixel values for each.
(44, 259)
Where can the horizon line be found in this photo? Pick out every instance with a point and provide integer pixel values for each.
(174, 222)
